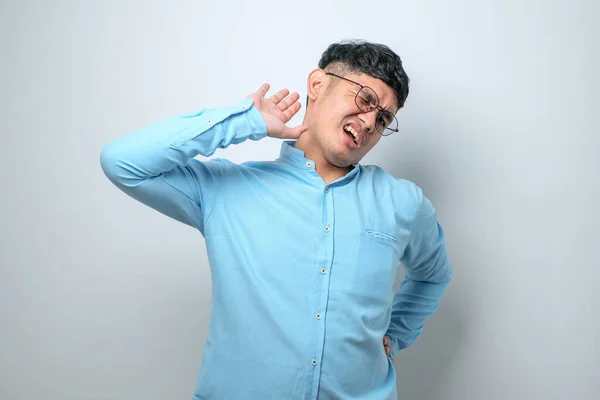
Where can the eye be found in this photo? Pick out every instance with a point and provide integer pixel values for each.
(384, 119)
(362, 99)
(368, 99)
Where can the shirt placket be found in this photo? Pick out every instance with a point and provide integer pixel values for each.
(323, 275)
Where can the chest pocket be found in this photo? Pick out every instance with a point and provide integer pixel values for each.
(378, 257)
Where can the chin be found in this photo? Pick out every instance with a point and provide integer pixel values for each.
(340, 156)
(341, 160)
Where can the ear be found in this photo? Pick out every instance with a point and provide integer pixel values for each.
(317, 84)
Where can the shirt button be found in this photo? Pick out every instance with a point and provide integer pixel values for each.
(309, 164)
(314, 362)
(327, 228)
(327, 189)
(243, 107)
(209, 121)
(318, 316)
(323, 271)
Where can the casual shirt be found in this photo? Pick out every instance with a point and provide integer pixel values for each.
(303, 272)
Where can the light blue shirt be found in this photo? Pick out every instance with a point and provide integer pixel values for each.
(302, 272)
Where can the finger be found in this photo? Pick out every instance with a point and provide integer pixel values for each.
(264, 89)
(277, 97)
(291, 111)
(386, 340)
(388, 351)
(288, 101)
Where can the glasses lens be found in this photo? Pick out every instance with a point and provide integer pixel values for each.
(386, 123)
(366, 99)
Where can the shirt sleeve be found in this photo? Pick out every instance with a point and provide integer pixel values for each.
(155, 164)
(427, 273)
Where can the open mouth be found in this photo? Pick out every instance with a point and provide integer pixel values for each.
(351, 133)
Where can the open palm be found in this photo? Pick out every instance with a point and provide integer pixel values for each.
(277, 111)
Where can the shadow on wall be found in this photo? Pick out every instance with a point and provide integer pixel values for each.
(422, 369)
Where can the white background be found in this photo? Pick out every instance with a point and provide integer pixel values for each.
(103, 298)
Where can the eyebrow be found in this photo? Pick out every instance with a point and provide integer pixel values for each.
(388, 110)
(385, 108)
(393, 113)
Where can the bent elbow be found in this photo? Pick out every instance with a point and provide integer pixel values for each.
(110, 163)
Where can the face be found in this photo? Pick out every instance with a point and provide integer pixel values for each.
(339, 130)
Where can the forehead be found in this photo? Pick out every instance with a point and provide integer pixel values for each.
(387, 99)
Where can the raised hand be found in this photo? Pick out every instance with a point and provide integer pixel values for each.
(277, 111)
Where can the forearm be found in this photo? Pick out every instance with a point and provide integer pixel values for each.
(414, 302)
(163, 146)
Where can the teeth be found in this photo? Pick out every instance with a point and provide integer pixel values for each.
(349, 129)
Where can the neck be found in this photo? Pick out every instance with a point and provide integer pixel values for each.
(328, 172)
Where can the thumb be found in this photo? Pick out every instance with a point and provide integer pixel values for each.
(294, 133)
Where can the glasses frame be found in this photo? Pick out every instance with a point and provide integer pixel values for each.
(377, 106)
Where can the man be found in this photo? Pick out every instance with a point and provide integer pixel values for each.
(303, 250)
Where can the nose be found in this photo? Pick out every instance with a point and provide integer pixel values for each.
(369, 119)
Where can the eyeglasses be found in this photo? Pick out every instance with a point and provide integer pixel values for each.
(367, 100)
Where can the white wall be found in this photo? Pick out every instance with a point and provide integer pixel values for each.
(500, 129)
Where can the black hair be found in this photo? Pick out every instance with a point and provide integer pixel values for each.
(376, 60)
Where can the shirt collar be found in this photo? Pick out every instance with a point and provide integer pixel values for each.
(289, 154)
